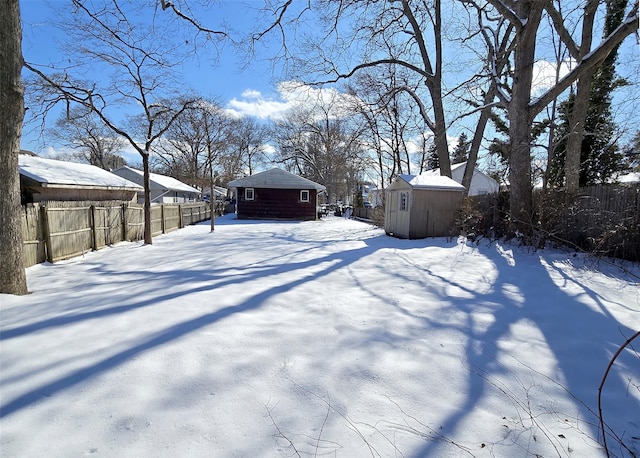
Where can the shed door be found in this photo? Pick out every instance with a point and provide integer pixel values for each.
(397, 218)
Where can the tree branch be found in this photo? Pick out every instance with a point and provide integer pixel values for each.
(565, 36)
(589, 62)
(169, 5)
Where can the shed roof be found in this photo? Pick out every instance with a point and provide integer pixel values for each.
(164, 181)
(430, 181)
(54, 173)
(275, 179)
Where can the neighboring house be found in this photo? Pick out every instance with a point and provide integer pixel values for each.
(164, 189)
(481, 183)
(220, 193)
(276, 194)
(631, 177)
(422, 206)
(52, 180)
(371, 194)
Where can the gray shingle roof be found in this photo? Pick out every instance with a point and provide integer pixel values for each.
(275, 179)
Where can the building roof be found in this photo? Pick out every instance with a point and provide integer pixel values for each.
(455, 167)
(163, 181)
(480, 182)
(436, 171)
(54, 173)
(430, 181)
(631, 177)
(275, 179)
(218, 190)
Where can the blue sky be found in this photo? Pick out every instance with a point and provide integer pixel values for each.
(252, 90)
(257, 89)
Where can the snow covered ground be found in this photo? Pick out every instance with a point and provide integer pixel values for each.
(324, 338)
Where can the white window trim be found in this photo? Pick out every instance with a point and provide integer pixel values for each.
(302, 193)
(249, 194)
(404, 196)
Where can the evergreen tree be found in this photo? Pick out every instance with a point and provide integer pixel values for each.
(600, 157)
(461, 151)
(631, 154)
(433, 162)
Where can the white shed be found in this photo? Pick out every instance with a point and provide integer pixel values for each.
(422, 206)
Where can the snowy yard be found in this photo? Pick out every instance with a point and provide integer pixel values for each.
(325, 338)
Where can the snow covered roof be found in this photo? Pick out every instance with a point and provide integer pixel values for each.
(164, 181)
(431, 181)
(632, 177)
(481, 183)
(275, 179)
(454, 167)
(219, 191)
(54, 173)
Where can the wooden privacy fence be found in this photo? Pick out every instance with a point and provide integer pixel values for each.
(603, 219)
(54, 231)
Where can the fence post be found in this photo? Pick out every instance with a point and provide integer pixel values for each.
(162, 225)
(45, 232)
(180, 225)
(123, 211)
(94, 232)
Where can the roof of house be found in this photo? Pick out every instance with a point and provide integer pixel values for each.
(455, 167)
(54, 173)
(164, 181)
(479, 180)
(275, 179)
(631, 177)
(436, 171)
(429, 181)
(218, 190)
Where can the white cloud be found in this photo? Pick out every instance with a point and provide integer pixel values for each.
(544, 74)
(251, 94)
(256, 106)
(291, 95)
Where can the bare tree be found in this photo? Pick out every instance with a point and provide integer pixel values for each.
(138, 62)
(94, 143)
(583, 91)
(193, 146)
(496, 33)
(525, 18)
(406, 34)
(392, 127)
(322, 147)
(60, 86)
(12, 275)
(196, 138)
(247, 143)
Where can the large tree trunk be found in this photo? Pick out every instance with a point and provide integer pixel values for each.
(440, 133)
(147, 199)
(435, 88)
(578, 115)
(12, 275)
(521, 118)
(476, 142)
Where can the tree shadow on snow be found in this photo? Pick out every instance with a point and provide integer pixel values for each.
(580, 361)
(202, 274)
